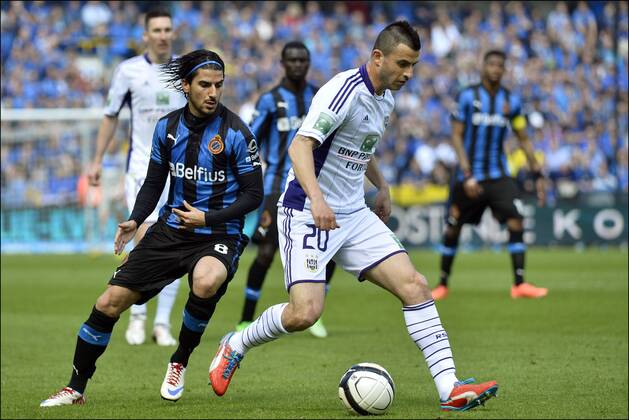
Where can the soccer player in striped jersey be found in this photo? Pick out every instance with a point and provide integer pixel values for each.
(323, 215)
(480, 124)
(278, 115)
(215, 180)
(136, 82)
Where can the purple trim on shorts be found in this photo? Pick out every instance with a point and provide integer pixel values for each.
(303, 281)
(287, 245)
(360, 276)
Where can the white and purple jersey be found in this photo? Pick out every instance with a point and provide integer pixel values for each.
(139, 83)
(348, 119)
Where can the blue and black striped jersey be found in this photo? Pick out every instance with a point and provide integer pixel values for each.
(204, 164)
(486, 119)
(278, 115)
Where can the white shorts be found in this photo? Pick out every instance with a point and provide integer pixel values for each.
(132, 185)
(362, 242)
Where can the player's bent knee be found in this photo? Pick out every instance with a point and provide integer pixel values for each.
(414, 289)
(206, 286)
(419, 278)
(301, 318)
(115, 301)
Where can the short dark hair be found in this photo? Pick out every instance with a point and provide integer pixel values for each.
(154, 14)
(187, 66)
(494, 53)
(294, 45)
(399, 32)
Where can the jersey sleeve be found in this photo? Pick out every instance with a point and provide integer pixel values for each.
(245, 156)
(517, 117)
(158, 147)
(463, 100)
(119, 92)
(330, 106)
(262, 117)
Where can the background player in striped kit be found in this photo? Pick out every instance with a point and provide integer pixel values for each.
(215, 179)
(479, 128)
(136, 82)
(278, 115)
(323, 215)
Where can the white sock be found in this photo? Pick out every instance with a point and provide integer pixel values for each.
(267, 327)
(138, 311)
(424, 327)
(165, 303)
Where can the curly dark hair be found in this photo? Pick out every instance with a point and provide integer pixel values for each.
(187, 66)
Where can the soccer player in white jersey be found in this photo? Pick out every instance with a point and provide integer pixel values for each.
(322, 215)
(137, 82)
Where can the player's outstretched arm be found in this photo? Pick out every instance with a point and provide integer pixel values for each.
(103, 139)
(383, 198)
(300, 153)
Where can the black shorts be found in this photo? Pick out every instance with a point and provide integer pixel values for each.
(270, 206)
(165, 254)
(500, 195)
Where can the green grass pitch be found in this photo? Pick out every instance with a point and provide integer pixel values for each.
(564, 356)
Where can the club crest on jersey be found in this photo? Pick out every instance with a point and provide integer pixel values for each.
(216, 146)
(311, 263)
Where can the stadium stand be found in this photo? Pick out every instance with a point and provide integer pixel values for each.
(561, 57)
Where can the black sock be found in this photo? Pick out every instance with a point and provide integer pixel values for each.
(448, 252)
(91, 342)
(196, 316)
(255, 279)
(517, 249)
(329, 272)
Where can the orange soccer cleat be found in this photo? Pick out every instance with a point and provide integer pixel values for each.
(527, 290)
(440, 292)
(467, 395)
(224, 365)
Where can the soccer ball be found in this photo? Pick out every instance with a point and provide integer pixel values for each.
(367, 388)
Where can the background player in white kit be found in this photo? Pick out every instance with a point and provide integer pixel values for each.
(137, 82)
(322, 215)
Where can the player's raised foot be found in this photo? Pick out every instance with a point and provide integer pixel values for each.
(440, 292)
(172, 387)
(224, 365)
(467, 395)
(318, 329)
(135, 334)
(161, 336)
(242, 325)
(527, 290)
(67, 396)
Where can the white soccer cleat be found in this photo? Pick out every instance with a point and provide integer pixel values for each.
(135, 334)
(162, 336)
(67, 396)
(172, 387)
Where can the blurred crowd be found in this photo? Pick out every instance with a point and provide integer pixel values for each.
(564, 59)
